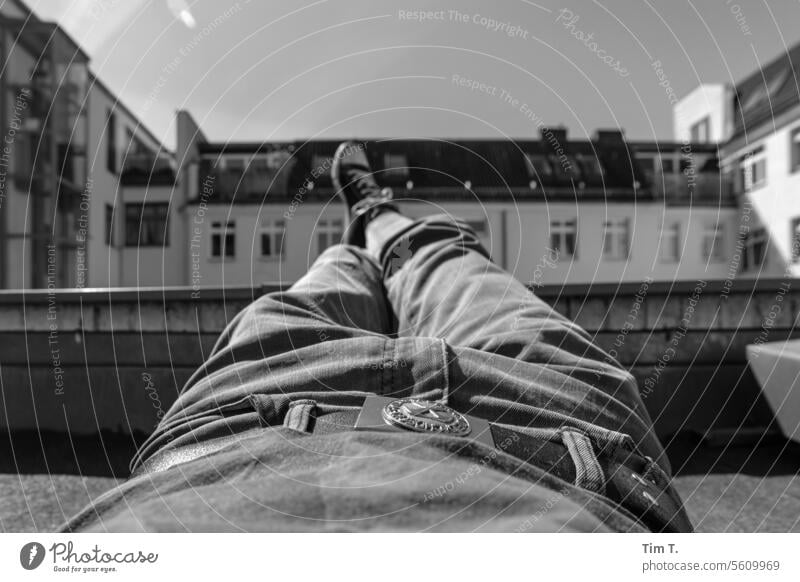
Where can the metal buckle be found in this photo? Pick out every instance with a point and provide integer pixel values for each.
(420, 415)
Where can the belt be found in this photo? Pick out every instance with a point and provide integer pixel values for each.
(612, 468)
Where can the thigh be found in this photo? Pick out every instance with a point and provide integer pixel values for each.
(325, 334)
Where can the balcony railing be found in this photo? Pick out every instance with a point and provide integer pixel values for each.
(702, 187)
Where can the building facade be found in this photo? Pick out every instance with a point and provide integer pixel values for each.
(759, 150)
(551, 210)
(69, 146)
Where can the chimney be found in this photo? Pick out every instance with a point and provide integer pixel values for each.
(610, 136)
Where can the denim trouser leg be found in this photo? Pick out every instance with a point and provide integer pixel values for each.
(432, 318)
(441, 283)
(326, 332)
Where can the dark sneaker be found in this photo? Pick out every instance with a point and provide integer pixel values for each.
(355, 184)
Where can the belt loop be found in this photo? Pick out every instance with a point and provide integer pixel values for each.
(298, 417)
(445, 372)
(588, 472)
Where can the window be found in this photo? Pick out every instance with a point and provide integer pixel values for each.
(234, 167)
(701, 131)
(590, 167)
(396, 166)
(271, 235)
(794, 147)
(616, 239)
(111, 142)
(753, 167)
(795, 240)
(564, 237)
(670, 244)
(109, 233)
(667, 165)
(713, 241)
(538, 166)
(756, 243)
(223, 239)
(329, 233)
(320, 165)
(146, 225)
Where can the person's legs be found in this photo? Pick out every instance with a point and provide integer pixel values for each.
(440, 282)
(515, 360)
(325, 334)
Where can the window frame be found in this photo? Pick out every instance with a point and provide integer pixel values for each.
(617, 239)
(753, 238)
(112, 154)
(673, 231)
(222, 230)
(395, 166)
(332, 229)
(715, 253)
(794, 150)
(747, 163)
(144, 209)
(275, 229)
(109, 224)
(560, 230)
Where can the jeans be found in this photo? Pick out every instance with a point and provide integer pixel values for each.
(433, 318)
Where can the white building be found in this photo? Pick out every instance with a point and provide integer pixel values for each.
(549, 210)
(67, 144)
(760, 154)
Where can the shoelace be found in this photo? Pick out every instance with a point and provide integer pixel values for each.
(371, 200)
(363, 182)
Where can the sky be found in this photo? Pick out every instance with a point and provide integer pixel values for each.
(257, 70)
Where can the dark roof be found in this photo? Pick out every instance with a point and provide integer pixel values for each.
(453, 169)
(767, 92)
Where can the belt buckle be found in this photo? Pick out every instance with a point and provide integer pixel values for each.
(420, 415)
(384, 414)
